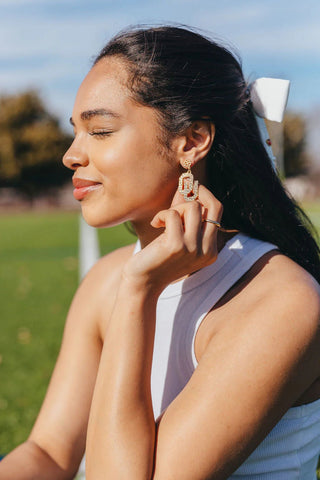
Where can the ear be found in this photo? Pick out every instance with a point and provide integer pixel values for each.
(195, 143)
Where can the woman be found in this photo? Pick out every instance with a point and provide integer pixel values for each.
(230, 320)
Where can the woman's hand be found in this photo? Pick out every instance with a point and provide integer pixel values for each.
(186, 244)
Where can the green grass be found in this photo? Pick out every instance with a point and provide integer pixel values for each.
(313, 210)
(38, 277)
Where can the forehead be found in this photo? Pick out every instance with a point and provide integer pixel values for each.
(104, 87)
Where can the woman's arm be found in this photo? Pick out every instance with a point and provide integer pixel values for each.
(121, 433)
(57, 442)
(28, 461)
(248, 375)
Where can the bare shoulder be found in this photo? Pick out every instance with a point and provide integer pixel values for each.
(94, 299)
(274, 282)
(109, 267)
(274, 297)
(288, 301)
(278, 279)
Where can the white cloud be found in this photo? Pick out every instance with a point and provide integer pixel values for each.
(53, 51)
(250, 29)
(261, 29)
(303, 39)
(62, 38)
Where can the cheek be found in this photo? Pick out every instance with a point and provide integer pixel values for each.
(128, 157)
(133, 168)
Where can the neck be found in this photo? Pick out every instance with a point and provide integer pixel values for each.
(145, 232)
(147, 235)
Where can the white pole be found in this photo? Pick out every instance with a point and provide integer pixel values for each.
(89, 254)
(89, 251)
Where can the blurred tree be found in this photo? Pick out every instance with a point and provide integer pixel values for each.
(31, 144)
(296, 161)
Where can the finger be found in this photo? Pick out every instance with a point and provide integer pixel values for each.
(193, 226)
(191, 220)
(213, 207)
(177, 199)
(213, 210)
(184, 224)
(158, 219)
(199, 236)
(206, 198)
(171, 220)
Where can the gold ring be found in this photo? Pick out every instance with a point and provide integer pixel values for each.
(212, 221)
(218, 225)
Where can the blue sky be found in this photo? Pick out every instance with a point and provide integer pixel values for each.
(49, 44)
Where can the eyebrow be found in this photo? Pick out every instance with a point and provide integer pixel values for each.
(88, 114)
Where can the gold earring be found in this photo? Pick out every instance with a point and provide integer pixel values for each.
(187, 186)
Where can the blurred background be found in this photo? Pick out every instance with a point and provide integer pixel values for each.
(46, 48)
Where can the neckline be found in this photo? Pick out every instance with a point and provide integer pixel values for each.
(197, 278)
(200, 276)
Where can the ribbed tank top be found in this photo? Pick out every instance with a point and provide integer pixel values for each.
(291, 449)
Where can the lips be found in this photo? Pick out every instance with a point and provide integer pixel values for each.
(83, 187)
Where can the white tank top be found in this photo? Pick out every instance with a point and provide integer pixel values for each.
(291, 450)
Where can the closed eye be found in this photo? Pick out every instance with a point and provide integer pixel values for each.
(100, 133)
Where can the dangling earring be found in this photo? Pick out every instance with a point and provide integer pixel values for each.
(187, 186)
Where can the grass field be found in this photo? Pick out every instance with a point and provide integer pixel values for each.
(38, 277)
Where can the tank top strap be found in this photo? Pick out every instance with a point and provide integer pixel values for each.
(245, 253)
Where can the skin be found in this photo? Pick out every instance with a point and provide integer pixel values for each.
(99, 396)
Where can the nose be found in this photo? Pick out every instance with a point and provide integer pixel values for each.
(75, 157)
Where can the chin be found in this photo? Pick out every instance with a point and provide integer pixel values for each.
(98, 219)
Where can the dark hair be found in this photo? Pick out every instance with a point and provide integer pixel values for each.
(186, 77)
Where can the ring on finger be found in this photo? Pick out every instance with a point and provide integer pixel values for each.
(214, 222)
(219, 226)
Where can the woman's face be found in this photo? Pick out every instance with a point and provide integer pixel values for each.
(121, 172)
